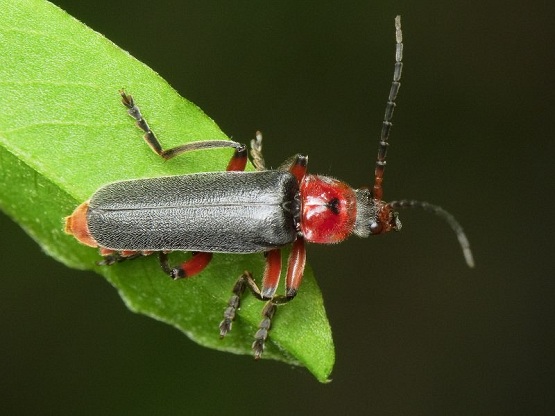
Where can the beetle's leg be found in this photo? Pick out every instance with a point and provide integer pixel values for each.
(270, 282)
(238, 160)
(155, 145)
(263, 329)
(244, 281)
(272, 273)
(256, 152)
(117, 257)
(234, 303)
(299, 166)
(269, 285)
(188, 268)
(295, 269)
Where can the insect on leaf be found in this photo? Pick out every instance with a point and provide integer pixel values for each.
(64, 133)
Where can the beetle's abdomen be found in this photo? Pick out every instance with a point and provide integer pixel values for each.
(230, 212)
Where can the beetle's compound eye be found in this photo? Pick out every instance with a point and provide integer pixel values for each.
(376, 228)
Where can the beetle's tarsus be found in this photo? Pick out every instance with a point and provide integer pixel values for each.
(109, 260)
(229, 315)
(269, 310)
(151, 139)
(256, 152)
(177, 273)
(164, 264)
(234, 304)
(117, 258)
(263, 328)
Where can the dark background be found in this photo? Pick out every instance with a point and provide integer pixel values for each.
(416, 331)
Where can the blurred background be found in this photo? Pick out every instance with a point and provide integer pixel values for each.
(416, 331)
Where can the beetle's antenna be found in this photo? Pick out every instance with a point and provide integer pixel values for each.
(390, 106)
(453, 223)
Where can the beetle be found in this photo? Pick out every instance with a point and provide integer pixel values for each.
(241, 212)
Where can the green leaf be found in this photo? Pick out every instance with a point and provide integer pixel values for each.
(64, 133)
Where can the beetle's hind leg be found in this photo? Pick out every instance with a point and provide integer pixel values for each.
(238, 161)
(133, 111)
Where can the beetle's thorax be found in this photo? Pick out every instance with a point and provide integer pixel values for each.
(328, 209)
(331, 210)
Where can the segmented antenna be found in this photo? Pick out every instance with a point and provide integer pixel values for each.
(383, 144)
(377, 191)
(453, 223)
